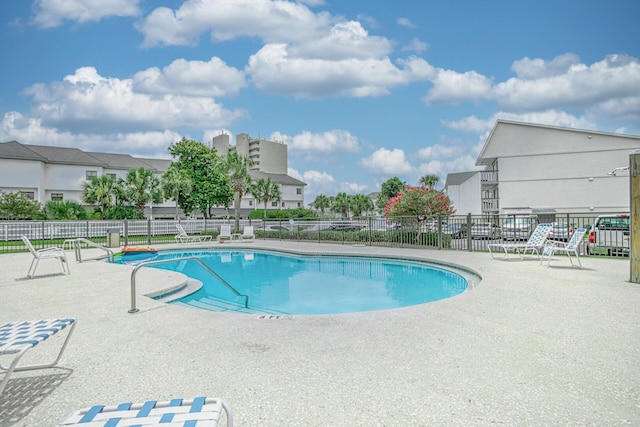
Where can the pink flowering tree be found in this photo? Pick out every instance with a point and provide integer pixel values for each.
(419, 202)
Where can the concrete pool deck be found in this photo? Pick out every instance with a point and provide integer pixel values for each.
(529, 345)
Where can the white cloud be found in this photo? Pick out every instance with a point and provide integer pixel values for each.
(192, 78)
(330, 141)
(537, 68)
(87, 100)
(416, 46)
(352, 188)
(451, 87)
(405, 22)
(15, 126)
(272, 21)
(473, 124)
(51, 13)
(438, 151)
(274, 71)
(617, 77)
(387, 162)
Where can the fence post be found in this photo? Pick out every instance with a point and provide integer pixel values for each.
(148, 231)
(439, 231)
(634, 187)
(469, 240)
(126, 232)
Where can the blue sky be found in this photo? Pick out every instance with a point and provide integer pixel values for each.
(360, 91)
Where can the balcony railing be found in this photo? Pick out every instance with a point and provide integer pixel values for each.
(489, 177)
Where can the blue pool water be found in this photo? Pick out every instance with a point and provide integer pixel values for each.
(279, 283)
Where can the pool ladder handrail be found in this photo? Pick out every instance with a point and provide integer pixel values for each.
(77, 249)
(166, 261)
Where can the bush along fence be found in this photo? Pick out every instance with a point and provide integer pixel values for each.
(468, 233)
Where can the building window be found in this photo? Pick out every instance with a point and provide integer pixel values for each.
(299, 204)
(91, 175)
(274, 204)
(57, 196)
(283, 204)
(113, 176)
(250, 202)
(298, 190)
(30, 195)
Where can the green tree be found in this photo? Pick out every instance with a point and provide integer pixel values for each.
(389, 189)
(430, 181)
(418, 202)
(361, 203)
(65, 210)
(17, 206)
(341, 204)
(141, 187)
(265, 190)
(322, 202)
(174, 183)
(100, 191)
(208, 174)
(237, 167)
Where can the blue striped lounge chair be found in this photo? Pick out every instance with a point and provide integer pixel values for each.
(18, 337)
(201, 411)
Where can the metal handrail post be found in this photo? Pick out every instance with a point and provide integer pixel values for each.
(166, 261)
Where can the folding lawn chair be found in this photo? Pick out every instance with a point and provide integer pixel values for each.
(18, 337)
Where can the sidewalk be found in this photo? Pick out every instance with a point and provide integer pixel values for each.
(529, 345)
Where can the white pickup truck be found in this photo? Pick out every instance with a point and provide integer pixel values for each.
(610, 235)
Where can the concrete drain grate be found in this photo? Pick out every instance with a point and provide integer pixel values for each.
(274, 317)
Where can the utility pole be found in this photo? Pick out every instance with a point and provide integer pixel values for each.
(634, 188)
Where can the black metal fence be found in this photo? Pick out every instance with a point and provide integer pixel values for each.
(467, 233)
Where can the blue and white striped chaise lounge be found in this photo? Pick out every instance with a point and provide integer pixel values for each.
(201, 411)
(18, 337)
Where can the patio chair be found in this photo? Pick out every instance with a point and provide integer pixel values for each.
(533, 245)
(176, 412)
(248, 234)
(184, 237)
(46, 253)
(18, 337)
(571, 248)
(225, 232)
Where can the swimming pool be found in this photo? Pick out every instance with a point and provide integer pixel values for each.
(283, 283)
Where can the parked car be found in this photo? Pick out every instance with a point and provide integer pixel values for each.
(456, 231)
(345, 226)
(518, 227)
(561, 231)
(485, 230)
(610, 235)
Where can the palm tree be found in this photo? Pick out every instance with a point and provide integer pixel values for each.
(175, 183)
(237, 167)
(99, 191)
(430, 181)
(361, 203)
(265, 190)
(341, 204)
(322, 202)
(141, 187)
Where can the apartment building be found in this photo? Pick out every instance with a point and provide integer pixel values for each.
(540, 169)
(45, 173)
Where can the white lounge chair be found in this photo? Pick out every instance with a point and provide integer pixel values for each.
(18, 337)
(177, 412)
(571, 248)
(46, 253)
(248, 234)
(533, 245)
(184, 237)
(225, 232)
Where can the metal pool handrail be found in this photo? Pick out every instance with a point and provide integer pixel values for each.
(166, 261)
(78, 250)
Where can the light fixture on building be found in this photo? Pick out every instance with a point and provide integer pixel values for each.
(618, 169)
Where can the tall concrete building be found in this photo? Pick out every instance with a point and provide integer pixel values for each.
(270, 160)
